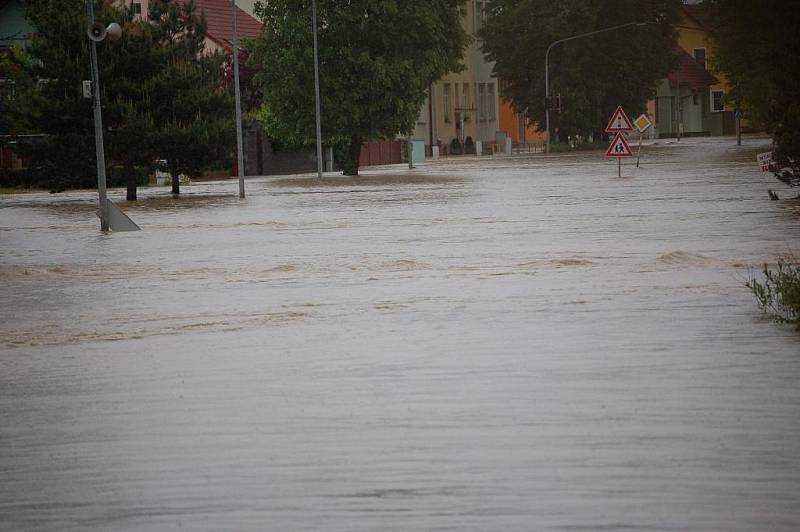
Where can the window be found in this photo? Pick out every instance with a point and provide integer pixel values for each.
(465, 90)
(700, 56)
(479, 16)
(482, 102)
(422, 112)
(136, 7)
(446, 102)
(490, 96)
(8, 89)
(716, 101)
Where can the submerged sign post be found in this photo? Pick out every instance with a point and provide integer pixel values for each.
(642, 123)
(619, 147)
(764, 160)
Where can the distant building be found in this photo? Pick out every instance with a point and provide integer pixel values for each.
(689, 102)
(218, 16)
(469, 104)
(14, 27)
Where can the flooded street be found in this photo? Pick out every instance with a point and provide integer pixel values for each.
(495, 344)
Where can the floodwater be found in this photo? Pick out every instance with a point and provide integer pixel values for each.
(496, 344)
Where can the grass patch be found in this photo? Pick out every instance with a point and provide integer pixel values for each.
(18, 190)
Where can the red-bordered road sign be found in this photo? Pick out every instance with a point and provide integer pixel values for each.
(619, 147)
(619, 122)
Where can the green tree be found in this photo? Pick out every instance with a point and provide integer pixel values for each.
(191, 107)
(594, 74)
(59, 50)
(163, 97)
(17, 85)
(377, 59)
(59, 61)
(127, 108)
(758, 50)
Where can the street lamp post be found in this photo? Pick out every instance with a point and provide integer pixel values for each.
(239, 140)
(547, 72)
(316, 90)
(111, 217)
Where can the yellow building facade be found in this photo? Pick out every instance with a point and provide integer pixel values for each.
(690, 101)
(463, 105)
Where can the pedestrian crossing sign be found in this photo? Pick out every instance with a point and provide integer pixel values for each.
(619, 147)
(619, 122)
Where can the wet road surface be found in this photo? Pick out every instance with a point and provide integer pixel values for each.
(507, 344)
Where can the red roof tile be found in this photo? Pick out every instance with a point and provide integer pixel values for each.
(220, 26)
(689, 73)
(699, 13)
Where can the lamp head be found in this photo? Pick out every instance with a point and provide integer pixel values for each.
(97, 32)
(114, 31)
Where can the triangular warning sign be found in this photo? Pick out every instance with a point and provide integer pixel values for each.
(619, 147)
(619, 122)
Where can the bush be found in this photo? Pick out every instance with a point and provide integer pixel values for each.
(41, 178)
(779, 293)
(23, 178)
(455, 147)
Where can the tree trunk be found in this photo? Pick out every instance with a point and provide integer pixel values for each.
(176, 183)
(130, 179)
(350, 164)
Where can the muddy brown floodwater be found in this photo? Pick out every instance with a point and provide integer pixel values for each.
(494, 344)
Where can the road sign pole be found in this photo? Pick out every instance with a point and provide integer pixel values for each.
(738, 115)
(639, 150)
(619, 167)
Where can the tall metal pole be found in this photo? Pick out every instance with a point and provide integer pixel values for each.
(239, 140)
(738, 116)
(316, 89)
(547, 98)
(547, 72)
(98, 128)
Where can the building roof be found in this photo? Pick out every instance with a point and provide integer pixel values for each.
(14, 27)
(690, 73)
(699, 14)
(220, 26)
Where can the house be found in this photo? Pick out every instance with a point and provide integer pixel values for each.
(218, 17)
(689, 102)
(469, 104)
(516, 125)
(14, 27)
(465, 104)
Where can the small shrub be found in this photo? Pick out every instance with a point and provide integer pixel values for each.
(779, 293)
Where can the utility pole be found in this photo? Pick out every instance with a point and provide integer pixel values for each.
(239, 140)
(98, 127)
(111, 217)
(316, 89)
